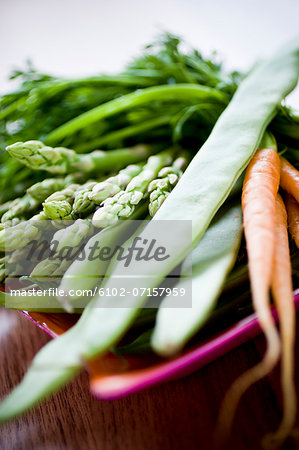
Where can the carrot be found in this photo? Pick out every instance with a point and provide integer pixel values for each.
(289, 178)
(260, 189)
(293, 217)
(282, 290)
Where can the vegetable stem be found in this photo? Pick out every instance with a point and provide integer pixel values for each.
(182, 91)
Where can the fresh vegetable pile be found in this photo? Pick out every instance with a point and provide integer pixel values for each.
(176, 135)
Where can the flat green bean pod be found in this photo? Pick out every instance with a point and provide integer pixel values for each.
(212, 259)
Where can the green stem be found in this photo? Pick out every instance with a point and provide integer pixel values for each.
(140, 97)
(54, 87)
(12, 107)
(123, 133)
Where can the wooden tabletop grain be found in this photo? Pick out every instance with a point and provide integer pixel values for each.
(178, 415)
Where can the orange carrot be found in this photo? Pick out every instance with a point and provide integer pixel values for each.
(260, 189)
(293, 217)
(282, 290)
(289, 178)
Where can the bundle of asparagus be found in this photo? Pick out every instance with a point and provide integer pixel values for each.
(99, 203)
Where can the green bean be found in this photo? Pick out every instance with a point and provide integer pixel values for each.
(212, 259)
(140, 97)
(199, 194)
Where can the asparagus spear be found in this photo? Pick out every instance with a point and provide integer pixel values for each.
(43, 189)
(36, 194)
(18, 236)
(10, 264)
(113, 185)
(6, 207)
(40, 191)
(19, 207)
(50, 267)
(17, 262)
(73, 235)
(123, 204)
(59, 160)
(60, 204)
(17, 255)
(39, 216)
(82, 204)
(87, 199)
(2, 269)
(12, 222)
(16, 220)
(160, 188)
(58, 210)
(71, 202)
(55, 266)
(91, 271)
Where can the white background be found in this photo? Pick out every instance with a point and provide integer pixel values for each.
(83, 37)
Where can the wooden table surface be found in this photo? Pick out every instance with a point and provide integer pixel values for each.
(178, 415)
